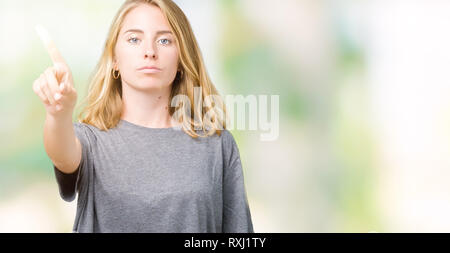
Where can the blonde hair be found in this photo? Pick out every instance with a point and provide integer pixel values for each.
(104, 100)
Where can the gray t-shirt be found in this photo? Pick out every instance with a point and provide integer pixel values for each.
(137, 179)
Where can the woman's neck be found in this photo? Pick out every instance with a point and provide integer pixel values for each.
(146, 108)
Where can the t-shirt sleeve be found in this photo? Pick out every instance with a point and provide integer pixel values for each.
(70, 184)
(236, 211)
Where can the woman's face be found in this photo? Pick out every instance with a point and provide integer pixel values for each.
(145, 41)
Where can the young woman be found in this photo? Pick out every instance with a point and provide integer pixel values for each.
(139, 160)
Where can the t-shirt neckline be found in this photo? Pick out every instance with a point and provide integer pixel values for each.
(132, 125)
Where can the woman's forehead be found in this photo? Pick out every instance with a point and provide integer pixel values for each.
(145, 18)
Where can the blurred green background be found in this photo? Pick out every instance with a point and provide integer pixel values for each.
(364, 107)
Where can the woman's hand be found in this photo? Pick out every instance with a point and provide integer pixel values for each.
(55, 85)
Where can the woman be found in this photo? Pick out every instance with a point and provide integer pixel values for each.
(139, 160)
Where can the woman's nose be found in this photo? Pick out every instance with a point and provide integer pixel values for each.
(150, 54)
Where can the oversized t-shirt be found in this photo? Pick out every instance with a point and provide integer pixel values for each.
(133, 178)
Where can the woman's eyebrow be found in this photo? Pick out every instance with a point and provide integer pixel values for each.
(134, 31)
(163, 32)
(140, 31)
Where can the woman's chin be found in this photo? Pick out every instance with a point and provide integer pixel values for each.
(150, 86)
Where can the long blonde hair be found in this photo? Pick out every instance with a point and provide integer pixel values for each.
(103, 107)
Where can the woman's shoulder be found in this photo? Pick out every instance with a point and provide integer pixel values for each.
(223, 134)
(226, 135)
(88, 127)
(85, 127)
(227, 139)
(86, 131)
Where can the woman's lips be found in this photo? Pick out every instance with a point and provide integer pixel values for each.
(149, 70)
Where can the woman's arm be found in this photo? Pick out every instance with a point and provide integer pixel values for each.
(61, 144)
(237, 217)
(56, 90)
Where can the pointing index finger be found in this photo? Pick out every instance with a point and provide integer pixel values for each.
(54, 53)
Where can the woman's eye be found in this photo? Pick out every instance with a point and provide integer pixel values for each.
(164, 41)
(133, 40)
